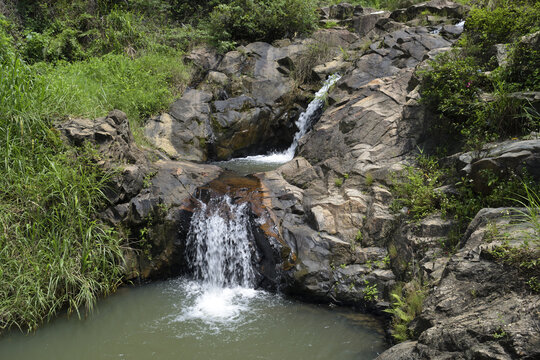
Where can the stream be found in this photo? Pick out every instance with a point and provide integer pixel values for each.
(216, 313)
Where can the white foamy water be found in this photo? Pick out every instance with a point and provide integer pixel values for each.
(217, 305)
(219, 253)
(304, 124)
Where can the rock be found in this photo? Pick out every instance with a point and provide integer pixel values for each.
(116, 146)
(502, 54)
(403, 351)
(481, 308)
(501, 158)
(365, 23)
(330, 68)
(183, 132)
(205, 58)
(218, 78)
(162, 208)
(341, 11)
(436, 7)
(142, 194)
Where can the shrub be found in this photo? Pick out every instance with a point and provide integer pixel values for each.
(451, 87)
(261, 20)
(415, 188)
(505, 23)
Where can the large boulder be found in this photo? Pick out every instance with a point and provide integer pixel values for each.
(483, 307)
(501, 159)
(443, 8)
(182, 133)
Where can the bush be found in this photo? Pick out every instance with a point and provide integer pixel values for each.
(7, 50)
(415, 188)
(261, 20)
(451, 87)
(503, 24)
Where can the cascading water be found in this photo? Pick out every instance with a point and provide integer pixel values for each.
(214, 314)
(219, 254)
(304, 124)
(218, 240)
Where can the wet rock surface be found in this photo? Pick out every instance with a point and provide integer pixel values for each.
(147, 197)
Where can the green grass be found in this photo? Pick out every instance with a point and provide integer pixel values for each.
(91, 88)
(54, 252)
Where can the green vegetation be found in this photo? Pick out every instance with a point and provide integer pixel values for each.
(262, 20)
(54, 252)
(471, 91)
(473, 98)
(376, 4)
(407, 304)
(371, 293)
(61, 59)
(417, 189)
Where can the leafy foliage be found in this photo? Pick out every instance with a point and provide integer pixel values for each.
(260, 20)
(406, 305)
(471, 91)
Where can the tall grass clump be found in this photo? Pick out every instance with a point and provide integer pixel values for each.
(531, 202)
(54, 252)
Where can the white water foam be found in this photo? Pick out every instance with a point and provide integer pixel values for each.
(304, 123)
(216, 305)
(219, 252)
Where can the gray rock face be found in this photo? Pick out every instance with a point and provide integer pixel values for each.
(481, 308)
(435, 7)
(148, 199)
(182, 133)
(243, 106)
(501, 158)
(116, 146)
(333, 197)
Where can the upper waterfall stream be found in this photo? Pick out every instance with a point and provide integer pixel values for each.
(306, 120)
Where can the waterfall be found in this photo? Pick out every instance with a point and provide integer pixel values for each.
(218, 251)
(218, 242)
(304, 124)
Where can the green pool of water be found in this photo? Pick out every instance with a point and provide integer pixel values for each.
(180, 319)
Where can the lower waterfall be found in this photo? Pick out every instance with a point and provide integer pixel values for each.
(219, 250)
